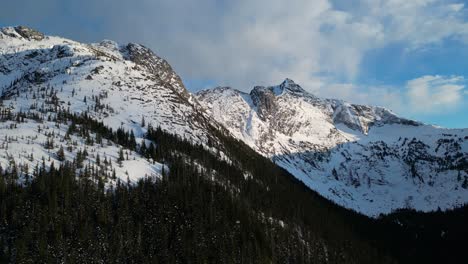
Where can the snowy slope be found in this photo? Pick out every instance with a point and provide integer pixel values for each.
(129, 78)
(362, 157)
(120, 85)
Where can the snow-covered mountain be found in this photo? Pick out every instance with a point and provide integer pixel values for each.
(75, 116)
(362, 157)
(123, 86)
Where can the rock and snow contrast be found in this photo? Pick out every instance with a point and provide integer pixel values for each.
(361, 157)
(122, 86)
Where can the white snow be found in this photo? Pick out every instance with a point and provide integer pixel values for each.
(118, 92)
(364, 158)
(358, 156)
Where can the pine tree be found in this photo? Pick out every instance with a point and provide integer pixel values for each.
(121, 157)
(61, 154)
(49, 143)
(143, 149)
(132, 142)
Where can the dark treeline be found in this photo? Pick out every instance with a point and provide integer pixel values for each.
(204, 209)
(61, 218)
(435, 237)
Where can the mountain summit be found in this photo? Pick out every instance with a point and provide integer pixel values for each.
(288, 85)
(362, 157)
(125, 87)
(105, 156)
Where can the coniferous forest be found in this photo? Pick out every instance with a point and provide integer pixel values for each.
(203, 209)
(83, 180)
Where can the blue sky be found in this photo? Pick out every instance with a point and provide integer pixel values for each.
(409, 56)
(393, 65)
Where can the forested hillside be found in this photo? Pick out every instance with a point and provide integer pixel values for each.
(202, 209)
(105, 157)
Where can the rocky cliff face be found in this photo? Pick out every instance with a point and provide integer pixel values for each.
(23, 32)
(362, 157)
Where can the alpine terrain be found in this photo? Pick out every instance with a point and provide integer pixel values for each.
(362, 157)
(121, 86)
(105, 157)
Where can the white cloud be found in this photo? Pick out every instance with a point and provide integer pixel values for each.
(429, 94)
(435, 93)
(312, 42)
(245, 43)
(390, 97)
(456, 7)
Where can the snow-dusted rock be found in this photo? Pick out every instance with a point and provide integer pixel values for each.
(362, 157)
(120, 85)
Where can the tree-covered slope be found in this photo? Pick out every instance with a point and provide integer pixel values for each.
(106, 158)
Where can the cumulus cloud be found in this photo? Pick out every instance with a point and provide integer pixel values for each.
(245, 43)
(456, 7)
(429, 94)
(382, 95)
(432, 93)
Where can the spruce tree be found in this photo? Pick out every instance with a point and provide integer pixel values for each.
(61, 154)
(121, 157)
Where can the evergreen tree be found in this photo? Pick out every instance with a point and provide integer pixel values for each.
(121, 157)
(61, 154)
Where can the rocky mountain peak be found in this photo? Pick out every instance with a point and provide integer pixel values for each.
(24, 32)
(29, 33)
(159, 67)
(265, 98)
(287, 86)
(130, 80)
(362, 157)
(265, 101)
(290, 85)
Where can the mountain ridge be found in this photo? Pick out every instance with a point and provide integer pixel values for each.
(335, 147)
(119, 166)
(105, 157)
(123, 86)
(325, 142)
